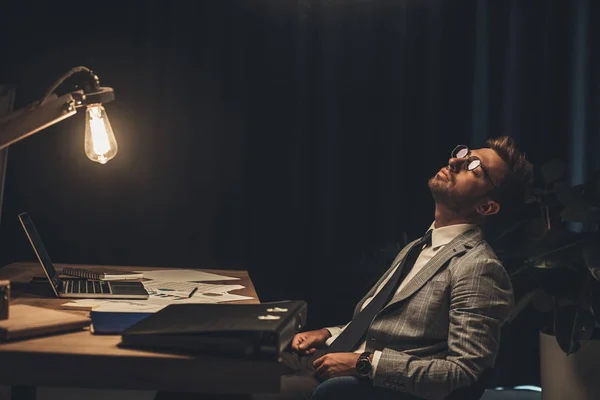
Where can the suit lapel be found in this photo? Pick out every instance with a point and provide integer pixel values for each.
(456, 247)
(390, 270)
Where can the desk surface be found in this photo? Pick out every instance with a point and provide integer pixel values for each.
(81, 359)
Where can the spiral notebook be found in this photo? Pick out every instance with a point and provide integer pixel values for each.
(103, 276)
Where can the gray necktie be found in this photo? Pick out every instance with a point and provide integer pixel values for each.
(357, 328)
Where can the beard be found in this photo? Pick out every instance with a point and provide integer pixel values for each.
(442, 193)
(440, 190)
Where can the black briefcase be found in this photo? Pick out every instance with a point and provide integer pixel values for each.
(257, 331)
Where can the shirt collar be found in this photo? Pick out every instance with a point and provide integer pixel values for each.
(444, 235)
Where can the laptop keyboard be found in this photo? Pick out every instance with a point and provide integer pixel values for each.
(85, 286)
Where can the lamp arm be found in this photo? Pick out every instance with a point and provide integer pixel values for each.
(32, 120)
(63, 78)
(52, 109)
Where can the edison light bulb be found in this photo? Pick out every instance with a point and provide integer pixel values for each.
(100, 142)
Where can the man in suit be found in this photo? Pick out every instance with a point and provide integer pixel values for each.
(437, 329)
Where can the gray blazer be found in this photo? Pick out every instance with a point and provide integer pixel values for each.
(442, 330)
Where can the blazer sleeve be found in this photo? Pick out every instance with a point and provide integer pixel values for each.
(481, 301)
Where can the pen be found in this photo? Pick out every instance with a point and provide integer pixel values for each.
(193, 291)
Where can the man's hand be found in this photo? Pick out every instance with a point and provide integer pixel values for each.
(336, 364)
(306, 343)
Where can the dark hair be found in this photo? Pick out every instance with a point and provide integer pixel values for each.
(517, 183)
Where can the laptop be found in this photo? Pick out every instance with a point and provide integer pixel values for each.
(78, 288)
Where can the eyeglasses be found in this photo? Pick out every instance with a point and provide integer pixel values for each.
(470, 163)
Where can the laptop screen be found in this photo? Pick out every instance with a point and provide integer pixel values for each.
(40, 251)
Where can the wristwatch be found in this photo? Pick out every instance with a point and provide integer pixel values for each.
(363, 364)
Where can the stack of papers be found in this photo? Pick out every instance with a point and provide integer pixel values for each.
(165, 287)
(186, 289)
(184, 275)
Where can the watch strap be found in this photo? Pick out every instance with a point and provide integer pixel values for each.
(364, 358)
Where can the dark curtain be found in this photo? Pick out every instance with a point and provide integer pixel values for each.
(293, 139)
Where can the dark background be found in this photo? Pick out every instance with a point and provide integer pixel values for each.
(293, 139)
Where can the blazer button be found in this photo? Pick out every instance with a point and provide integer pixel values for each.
(373, 338)
(387, 384)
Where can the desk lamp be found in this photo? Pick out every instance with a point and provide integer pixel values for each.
(99, 144)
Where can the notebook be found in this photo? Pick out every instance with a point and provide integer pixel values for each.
(104, 276)
(28, 321)
(78, 288)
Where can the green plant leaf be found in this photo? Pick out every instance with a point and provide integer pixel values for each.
(553, 170)
(556, 281)
(596, 188)
(573, 327)
(570, 198)
(575, 215)
(555, 247)
(591, 256)
(542, 301)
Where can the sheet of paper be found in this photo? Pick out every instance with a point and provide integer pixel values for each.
(184, 289)
(170, 289)
(83, 304)
(152, 304)
(215, 298)
(184, 275)
(132, 306)
(213, 288)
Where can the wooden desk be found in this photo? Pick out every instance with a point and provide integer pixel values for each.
(81, 359)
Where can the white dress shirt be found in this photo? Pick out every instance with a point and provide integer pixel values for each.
(439, 238)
